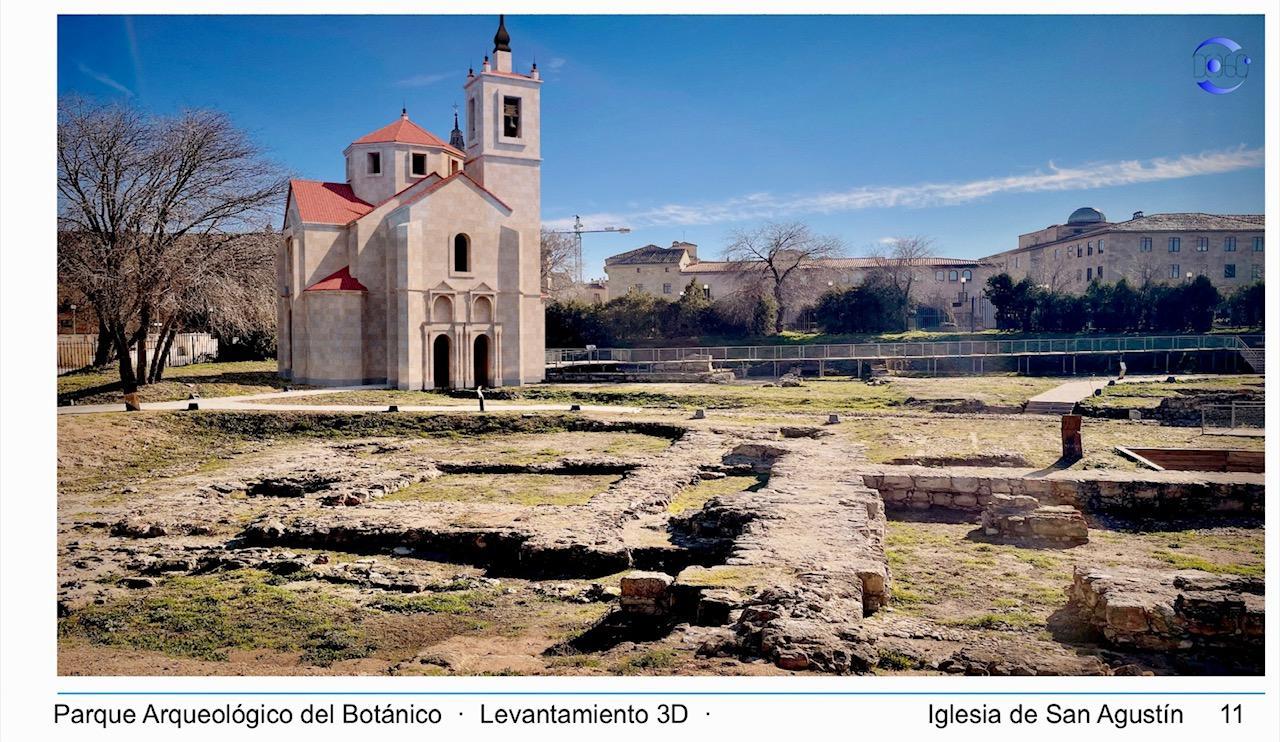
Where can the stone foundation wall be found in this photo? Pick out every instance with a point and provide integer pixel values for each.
(1154, 494)
(1170, 610)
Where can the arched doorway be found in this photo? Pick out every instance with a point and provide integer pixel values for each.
(440, 361)
(480, 360)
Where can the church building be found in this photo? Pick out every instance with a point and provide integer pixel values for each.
(421, 270)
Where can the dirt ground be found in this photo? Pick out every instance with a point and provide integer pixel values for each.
(197, 600)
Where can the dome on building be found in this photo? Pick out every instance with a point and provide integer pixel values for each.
(1086, 215)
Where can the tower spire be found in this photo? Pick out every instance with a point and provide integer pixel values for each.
(502, 39)
(455, 137)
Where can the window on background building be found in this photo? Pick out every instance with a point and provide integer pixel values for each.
(1229, 244)
(666, 269)
(511, 117)
(1146, 244)
(637, 270)
(1088, 275)
(1257, 244)
(1229, 270)
(471, 119)
(418, 164)
(1099, 273)
(940, 275)
(1017, 262)
(666, 288)
(373, 163)
(461, 253)
(1056, 256)
(953, 276)
(967, 275)
(453, 166)
(706, 291)
(1090, 249)
(1079, 274)
(1175, 244)
(1202, 244)
(1256, 272)
(1100, 243)
(1079, 251)
(1175, 271)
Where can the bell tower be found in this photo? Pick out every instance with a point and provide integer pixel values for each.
(504, 155)
(503, 137)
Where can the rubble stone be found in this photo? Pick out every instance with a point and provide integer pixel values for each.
(1170, 610)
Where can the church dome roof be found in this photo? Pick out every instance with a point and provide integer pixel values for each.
(404, 131)
(1086, 215)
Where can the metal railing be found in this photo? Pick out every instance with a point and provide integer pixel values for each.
(557, 357)
(76, 351)
(1237, 416)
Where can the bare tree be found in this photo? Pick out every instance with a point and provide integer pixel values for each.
(559, 255)
(900, 263)
(147, 206)
(776, 252)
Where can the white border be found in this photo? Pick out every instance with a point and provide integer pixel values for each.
(28, 676)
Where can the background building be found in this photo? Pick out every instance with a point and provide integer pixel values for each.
(1226, 248)
(944, 287)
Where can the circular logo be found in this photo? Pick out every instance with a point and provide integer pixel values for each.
(1219, 65)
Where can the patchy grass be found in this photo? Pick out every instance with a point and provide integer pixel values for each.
(102, 385)
(647, 662)
(815, 395)
(696, 495)
(453, 603)
(1186, 561)
(1001, 621)
(942, 573)
(519, 489)
(1148, 394)
(1036, 440)
(205, 617)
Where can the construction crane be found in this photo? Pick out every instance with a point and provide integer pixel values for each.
(577, 232)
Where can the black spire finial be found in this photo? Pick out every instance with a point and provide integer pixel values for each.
(502, 39)
(455, 137)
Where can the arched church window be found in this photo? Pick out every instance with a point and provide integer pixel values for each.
(461, 253)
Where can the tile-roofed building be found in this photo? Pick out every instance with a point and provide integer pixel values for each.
(1229, 249)
(421, 269)
(667, 272)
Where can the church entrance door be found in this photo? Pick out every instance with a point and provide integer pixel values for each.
(440, 361)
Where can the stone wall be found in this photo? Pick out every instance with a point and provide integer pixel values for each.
(1155, 494)
(1170, 610)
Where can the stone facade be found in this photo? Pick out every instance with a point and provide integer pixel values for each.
(1228, 249)
(422, 269)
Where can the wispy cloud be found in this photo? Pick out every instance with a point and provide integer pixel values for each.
(105, 79)
(756, 206)
(420, 81)
(556, 63)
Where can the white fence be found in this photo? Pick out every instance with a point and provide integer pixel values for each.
(76, 351)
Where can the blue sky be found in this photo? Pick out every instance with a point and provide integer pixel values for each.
(969, 130)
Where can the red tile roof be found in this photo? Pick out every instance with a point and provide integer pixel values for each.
(327, 203)
(404, 131)
(340, 281)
